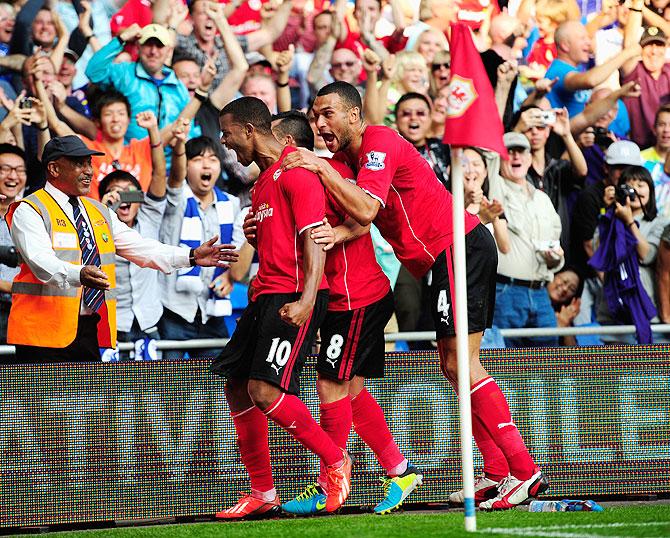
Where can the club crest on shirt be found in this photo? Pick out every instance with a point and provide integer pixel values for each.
(276, 175)
(375, 160)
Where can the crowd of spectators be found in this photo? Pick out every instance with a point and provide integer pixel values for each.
(579, 212)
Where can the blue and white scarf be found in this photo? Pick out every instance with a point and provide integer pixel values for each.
(188, 279)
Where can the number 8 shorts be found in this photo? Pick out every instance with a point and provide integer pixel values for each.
(267, 348)
(352, 341)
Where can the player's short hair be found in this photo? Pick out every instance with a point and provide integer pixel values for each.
(348, 93)
(117, 175)
(250, 110)
(408, 97)
(199, 145)
(296, 124)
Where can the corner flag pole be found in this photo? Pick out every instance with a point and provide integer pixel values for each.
(463, 353)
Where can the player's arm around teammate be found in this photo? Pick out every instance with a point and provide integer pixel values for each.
(360, 206)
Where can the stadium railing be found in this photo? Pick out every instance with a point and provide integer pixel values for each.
(410, 336)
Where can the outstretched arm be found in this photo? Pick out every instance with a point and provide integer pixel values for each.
(148, 121)
(597, 75)
(233, 79)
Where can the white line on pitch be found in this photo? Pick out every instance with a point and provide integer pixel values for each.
(600, 525)
(544, 533)
(550, 532)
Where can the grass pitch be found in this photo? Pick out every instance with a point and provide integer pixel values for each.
(636, 521)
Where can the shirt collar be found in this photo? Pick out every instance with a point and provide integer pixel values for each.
(520, 187)
(61, 198)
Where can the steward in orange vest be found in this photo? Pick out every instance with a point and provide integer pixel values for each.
(47, 316)
(63, 305)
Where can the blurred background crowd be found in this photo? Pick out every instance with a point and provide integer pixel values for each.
(579, 212)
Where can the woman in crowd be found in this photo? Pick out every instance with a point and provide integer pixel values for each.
(564, 292)
(476, 186)
(639, 214)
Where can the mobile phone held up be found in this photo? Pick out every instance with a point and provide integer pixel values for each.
(131, 197)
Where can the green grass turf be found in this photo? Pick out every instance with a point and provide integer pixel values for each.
(638, 521)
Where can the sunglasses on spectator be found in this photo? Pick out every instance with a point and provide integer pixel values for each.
(446, 65)
(340, 65)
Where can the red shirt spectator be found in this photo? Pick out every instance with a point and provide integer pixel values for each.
(246, 18)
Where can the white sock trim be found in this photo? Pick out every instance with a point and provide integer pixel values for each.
(489, 380)
(267, 496)
(240, 413)
(281, 399)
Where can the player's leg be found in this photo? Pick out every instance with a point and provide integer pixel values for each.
(274, 384)
(335, 419)
(335, 411)
(490, 410)
(488, 402)
(251, 426)
(402, 478)
(355, 351)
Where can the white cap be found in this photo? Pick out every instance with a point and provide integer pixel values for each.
(624, 152)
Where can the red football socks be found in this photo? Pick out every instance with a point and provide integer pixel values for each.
(490, 406)
(495, 464)
(292, 415)
(336, 422)
(370, 425)
(251, 426)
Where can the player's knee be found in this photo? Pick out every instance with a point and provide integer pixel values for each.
(262, 394)
(331, 390)
(450, 370)
(236, 392)
(356, 386)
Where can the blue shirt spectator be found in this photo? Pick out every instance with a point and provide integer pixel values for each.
(560, 96)
(148, 83)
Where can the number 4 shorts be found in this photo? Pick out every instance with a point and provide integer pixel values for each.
(267, 348)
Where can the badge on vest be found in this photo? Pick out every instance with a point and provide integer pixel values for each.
(105, 237)
(65, 240)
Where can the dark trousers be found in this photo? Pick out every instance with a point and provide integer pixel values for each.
(83, 348)
(173, 327)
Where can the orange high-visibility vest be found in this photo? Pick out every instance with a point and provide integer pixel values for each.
(48, 316)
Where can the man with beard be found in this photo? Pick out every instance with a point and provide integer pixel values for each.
(396, 189)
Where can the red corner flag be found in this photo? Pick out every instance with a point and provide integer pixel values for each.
(472, 113)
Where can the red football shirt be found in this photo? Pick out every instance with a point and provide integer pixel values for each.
(416, 213)
(285, 204)
(353, 274)
(246, 18)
